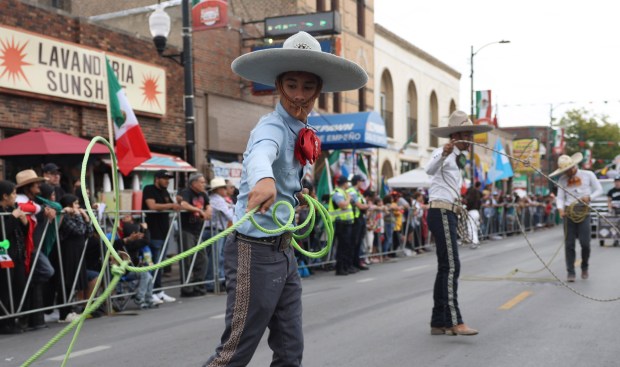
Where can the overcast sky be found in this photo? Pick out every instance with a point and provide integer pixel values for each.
(564, 54)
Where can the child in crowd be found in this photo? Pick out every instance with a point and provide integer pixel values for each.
(135, 243)
(74, 230)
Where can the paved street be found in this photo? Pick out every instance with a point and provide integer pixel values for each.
(381, 318)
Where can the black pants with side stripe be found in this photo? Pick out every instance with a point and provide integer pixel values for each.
(264, 291)
(446, 313)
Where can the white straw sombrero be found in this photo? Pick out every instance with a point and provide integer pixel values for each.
(459, 121)
(301, 52)
(565, 163)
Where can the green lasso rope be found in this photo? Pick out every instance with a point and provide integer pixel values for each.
(123, 266)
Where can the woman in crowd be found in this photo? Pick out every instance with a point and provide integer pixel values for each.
(13, 228)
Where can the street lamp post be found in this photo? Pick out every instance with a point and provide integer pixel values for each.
(159, 24)
(472, 111)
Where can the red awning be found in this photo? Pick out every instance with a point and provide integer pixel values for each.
(43, 141)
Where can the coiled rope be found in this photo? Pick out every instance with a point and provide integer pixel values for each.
(121, 266)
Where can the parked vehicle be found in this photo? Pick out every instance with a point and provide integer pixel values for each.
(603, 231)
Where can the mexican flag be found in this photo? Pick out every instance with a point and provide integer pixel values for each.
(131, 148)
(324, 186)
(362, 171)
(483, 107)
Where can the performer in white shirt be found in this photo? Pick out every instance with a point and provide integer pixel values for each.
(575, 183)
(445, 167)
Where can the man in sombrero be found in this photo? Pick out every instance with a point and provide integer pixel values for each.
(445, 166)
(575, 184)
(262, 283)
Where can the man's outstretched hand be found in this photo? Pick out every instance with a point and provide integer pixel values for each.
(263, 194)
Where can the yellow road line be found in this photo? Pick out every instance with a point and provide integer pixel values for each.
(513, 302)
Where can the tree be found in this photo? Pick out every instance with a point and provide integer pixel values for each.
(584, 130)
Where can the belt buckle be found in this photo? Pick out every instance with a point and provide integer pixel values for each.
(285, 241)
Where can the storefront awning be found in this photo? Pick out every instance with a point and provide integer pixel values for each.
(350, 130)
(162, 161)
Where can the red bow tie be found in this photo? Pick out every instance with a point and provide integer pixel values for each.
(307, 147)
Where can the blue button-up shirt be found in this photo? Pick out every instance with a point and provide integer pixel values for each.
(270, 153)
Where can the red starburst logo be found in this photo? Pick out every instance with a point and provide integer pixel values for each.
(12, 56)
(149, 90)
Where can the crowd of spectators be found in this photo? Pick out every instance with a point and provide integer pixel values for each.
(55, 270)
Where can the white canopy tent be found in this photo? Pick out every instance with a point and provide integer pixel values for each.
(416, 178)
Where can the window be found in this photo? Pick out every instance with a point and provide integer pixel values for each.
(361, 18)
(320, 5)
(323, 101)
(335, 5)
(337, 102)
(361, 99)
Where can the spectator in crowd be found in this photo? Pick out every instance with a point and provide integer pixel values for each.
(358, 230)
(510, 220)
(195, 203)
(135, 242)
(445, 168)
(389, 220)
(231, 192)
(73, 231)
(417, 214)
(13, 229)
(613, 200)
(582, 186)
(369, 238)
(222, 218)
(473, 202)
(341, 212)
(28, 186)
(156, 197)
(52, 173)
(379, 230)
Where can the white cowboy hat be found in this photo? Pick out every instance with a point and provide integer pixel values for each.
(565, 163)
(27, 177)
(216, 183)
(459, 121)
(301, 52)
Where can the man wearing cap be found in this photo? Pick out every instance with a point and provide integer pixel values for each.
(358, 231)
(156, 198)
(195, 203)
(444, 193)
(576, 188)
(341, 211)
(222, 218)
(278, 149)
(52, 173)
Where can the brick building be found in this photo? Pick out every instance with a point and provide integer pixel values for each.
(59, 81)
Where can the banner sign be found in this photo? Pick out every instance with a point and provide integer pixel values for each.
(230, 171)
(484, 109)
(33, 63)
(209, 14)
(526, 149)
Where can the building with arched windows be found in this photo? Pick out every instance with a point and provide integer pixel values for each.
(414, 92)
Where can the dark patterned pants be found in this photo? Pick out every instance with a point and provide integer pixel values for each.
(446, 313)
(264, 291)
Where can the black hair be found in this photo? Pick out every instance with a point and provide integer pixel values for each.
(68, 200)
(46, 191)
(6, 188)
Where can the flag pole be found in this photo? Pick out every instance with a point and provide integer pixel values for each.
(107, 100)
(329, 176)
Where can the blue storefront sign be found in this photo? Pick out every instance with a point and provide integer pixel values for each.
(350, 130)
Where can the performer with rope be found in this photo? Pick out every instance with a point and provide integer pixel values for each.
(262, 283)
(582, 186)
(443, 219)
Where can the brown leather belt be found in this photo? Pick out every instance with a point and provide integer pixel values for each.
(280, 243)
(455, 208)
